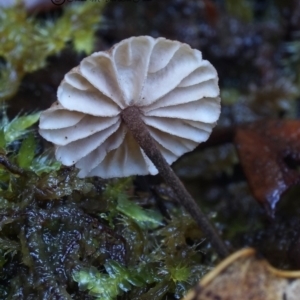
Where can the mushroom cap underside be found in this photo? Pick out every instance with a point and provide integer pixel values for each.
(175, 90)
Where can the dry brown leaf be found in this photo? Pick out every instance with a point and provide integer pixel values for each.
(269, 151)
(245, 276)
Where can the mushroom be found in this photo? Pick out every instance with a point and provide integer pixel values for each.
(135, 109)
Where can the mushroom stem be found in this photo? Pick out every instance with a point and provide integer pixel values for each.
(132, 119)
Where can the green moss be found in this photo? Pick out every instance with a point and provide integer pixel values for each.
(108, 286)
(60, 233)
(14, 129)
(21, 54)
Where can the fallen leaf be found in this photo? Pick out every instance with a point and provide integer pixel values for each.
(269, 152)
(244, 276)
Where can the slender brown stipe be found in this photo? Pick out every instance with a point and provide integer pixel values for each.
(132, 119)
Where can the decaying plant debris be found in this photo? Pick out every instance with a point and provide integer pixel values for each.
(269, 151)
(237, 278)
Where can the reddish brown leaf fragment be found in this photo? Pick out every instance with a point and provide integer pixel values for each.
(269, 152)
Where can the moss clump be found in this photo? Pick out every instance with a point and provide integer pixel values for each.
(69, 238)
(26, 42)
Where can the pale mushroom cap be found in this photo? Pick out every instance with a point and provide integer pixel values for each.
(176, 90)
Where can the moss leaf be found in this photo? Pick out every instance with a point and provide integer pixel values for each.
(2, 139)
(145, 218)
(107, 286)
(26, 153)
(44, 164)
(18, 126)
